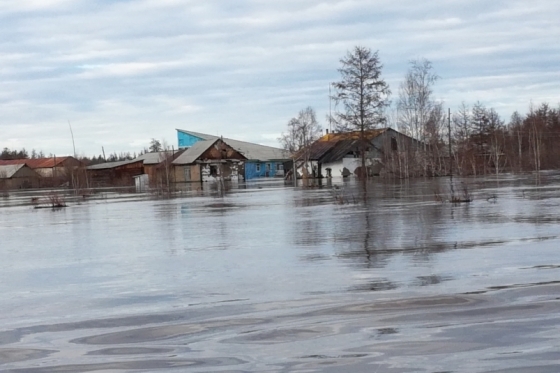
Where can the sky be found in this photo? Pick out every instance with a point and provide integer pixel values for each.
(123, 72)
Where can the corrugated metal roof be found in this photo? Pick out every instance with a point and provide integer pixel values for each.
(37, 162)
(194, 152)
(8, 171)
(250, 150)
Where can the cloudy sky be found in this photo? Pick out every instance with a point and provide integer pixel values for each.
(125, 71)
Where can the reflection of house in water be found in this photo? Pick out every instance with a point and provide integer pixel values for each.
(18, 176)
(338, 154)
(208, 160)
(260, 160)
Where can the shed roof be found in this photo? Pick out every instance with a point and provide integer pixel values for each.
(108, 165)
(155, 157)
(250, 150)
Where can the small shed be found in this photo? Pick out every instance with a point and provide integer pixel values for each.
(208, 160)
(115, 173)
(19, 176)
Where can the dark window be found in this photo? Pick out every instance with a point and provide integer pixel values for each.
(214, 171)
(258, 169)
(394, 145)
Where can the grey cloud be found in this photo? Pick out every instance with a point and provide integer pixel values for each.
(124, 71)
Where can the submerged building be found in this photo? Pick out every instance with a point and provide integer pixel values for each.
(260, 161)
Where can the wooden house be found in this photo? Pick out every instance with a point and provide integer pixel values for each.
(52, 167)
(261, 161)
(18, 176)
(208, 160)
(339, 154)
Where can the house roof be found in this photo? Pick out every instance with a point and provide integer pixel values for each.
(250, 150)
(108, 165)
(8, 171)
(38, 162)
(334, 146)
(154, 158)
(193, 153)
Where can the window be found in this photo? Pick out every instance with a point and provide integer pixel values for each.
(187, 173)
(268, 167)
(279, 167)
(394, 145)
(214, 171)
(258, 166)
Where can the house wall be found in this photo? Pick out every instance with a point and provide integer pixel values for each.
(251, 171)
(230, 171)
(185, 140)
(20, 183)
(181, 173)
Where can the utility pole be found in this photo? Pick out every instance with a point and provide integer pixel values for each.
(450, 156)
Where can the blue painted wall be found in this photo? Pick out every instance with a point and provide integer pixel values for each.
(185, 140)
(252, 173)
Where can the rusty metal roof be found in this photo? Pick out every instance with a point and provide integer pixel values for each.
(334, 146)
(37, 162)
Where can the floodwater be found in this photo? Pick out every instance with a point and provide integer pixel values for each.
(276, 279)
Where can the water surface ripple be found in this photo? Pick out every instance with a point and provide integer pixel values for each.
(276, 279)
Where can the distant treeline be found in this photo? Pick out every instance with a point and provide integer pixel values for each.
(155, 146)
(481, 143)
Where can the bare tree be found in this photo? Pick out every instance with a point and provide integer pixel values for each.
(415, 102)
(416, 107)
(302, 131)
(363, 95)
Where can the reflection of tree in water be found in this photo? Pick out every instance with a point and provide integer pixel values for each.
(386, 228)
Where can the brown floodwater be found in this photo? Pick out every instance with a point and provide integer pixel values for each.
(275, 279)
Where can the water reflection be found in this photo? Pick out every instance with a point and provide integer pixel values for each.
(269, 278)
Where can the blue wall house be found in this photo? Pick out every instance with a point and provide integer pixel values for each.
(262, 161)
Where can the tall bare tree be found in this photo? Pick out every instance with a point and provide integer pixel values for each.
(362, 95)
(415, 102)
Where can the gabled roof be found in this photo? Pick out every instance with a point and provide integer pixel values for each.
(192, 154)
(38, 162)
(8, 171)
(250, 150)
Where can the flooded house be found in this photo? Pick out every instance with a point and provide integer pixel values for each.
(209, 160)
(339, 154)
(18, 176)
(261, 161)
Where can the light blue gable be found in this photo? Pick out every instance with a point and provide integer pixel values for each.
(186, 141)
